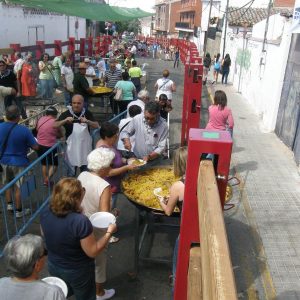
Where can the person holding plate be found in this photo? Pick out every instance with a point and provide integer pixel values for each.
(175, 199)
(70, 240)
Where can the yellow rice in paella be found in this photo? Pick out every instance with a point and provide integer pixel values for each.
(139, 186)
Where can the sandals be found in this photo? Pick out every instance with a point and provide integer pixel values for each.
(113, 239)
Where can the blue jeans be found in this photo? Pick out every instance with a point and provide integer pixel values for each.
(174, 263)
(225, 76)
(67, 97)
(46, 88)
(80, 281)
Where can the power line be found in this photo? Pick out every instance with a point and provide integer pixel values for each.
(241, 16)
(237, 9)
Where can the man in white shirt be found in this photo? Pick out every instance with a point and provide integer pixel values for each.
(143, 98)
(18, 63)
(90, 71)
(67, 76)
(133, 50)
(101, 67)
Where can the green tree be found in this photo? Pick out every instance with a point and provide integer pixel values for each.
(130, 26)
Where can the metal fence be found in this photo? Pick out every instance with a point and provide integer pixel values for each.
(33, 193)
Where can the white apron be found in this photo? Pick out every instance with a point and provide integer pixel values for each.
(79, 145)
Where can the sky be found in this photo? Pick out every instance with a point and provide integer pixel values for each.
(142, 4)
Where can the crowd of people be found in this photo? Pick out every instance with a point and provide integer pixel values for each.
(77, 252)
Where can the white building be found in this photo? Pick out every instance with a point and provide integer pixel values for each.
(257, 65)
(25, 26)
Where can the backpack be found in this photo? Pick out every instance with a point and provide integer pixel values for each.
(217, 65)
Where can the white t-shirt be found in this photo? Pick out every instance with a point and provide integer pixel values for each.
(18, 65)
(101, 67)
(90, 71)
(94, 187)
(133, 49)
(132, 138)
(33, 290)
(164, 86)
(69, 76)
(137, 102)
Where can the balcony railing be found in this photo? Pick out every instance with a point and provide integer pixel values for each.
(182, 25)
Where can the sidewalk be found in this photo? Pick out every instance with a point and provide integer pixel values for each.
(268, 199)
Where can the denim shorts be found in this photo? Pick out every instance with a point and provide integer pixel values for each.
(80, 281)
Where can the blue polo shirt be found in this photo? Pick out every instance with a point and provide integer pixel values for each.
(18, 144)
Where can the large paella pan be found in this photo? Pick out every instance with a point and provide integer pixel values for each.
(138, 186)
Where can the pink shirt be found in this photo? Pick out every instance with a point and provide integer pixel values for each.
(46, 133)
(219, 118)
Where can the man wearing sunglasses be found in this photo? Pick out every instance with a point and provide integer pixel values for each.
(151, 132)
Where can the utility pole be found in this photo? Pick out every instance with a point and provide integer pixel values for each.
(225, 30)
(205, 38)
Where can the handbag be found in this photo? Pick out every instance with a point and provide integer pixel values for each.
(119, 94)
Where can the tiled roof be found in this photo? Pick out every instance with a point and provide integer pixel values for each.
(251, 16)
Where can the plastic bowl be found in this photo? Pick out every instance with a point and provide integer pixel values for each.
(102, 219)
(58, 282)
(140, 162)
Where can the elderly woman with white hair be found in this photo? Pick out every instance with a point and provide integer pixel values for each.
(98, 198)
(25, 257)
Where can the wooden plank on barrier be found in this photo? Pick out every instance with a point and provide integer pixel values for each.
(6, 51)
(217, 274)
(194, 275)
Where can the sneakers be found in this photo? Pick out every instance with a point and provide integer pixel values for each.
(24, 212)
(10, 207)
(107, 294)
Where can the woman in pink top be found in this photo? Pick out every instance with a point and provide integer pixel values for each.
(46, 137)
(220, 116)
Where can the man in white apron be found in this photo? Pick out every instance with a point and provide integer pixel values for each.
(77, 122)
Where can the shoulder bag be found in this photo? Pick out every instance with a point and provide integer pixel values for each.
(119, 94)
(163, 84)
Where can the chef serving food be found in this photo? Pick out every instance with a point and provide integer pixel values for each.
(151, 132)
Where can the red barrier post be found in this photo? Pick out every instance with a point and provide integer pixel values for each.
(71, 46)
(57, 49)
(40, 49)
(82, 47)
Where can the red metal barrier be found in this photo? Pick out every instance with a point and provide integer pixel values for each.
(191, 99)
(58, 48)
(200, 141)
(40, 49)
